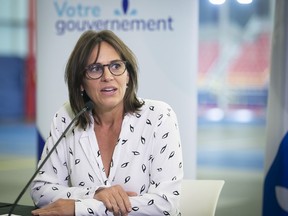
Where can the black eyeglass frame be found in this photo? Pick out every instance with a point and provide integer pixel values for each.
(88, 68)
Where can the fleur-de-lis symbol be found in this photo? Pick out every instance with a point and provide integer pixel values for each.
(125, 5)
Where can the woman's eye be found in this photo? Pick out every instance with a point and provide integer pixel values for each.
(95, 68)
(115, 66)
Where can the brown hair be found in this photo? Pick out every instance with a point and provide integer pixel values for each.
(75, 72)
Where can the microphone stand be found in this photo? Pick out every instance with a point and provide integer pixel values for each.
(89, 105)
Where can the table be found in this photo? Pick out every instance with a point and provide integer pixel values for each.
(19, 209)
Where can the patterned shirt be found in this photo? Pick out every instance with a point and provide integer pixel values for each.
(147, 159)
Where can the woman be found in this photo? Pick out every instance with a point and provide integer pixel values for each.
(123, 157)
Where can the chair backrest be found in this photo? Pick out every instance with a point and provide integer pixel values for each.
(200, 197)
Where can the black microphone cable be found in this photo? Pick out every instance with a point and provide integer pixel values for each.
(88, 106)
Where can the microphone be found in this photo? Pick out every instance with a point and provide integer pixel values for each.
(88, 106)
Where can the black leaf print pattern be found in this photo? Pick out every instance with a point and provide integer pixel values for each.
(54, 188)
(142, 188)
(65, 164)
(131, 128)
(70, 151)
(105, 182)
(143, 168)
(180, 165)
(77, 161)
(124, 165)
(41, 172)
(165, 197)
(143, 140)
(136, 152)
(98, 153)
(163, 149)
(55, 170)
(82, 184)
(157, 184)
(174, 178)
(166, 213)
(165, 135)
(176, 193)
(67, 178)
(91, 177)
(151, 202)
(148, 122)
(124, 141)
(151, 158)
(90, 211)
(112, 163)
(151, 108)
(160, 117)
(138, 115)
(171, 154)
(127, 179)
(68, 194)
(159, 169)
(135, 208)
(73, 132)
(64, 120)
(38, 188)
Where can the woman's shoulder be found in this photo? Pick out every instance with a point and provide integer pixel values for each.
(65, 112)
(158, 104)
(156, 107)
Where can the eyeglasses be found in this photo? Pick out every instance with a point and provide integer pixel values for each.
(96, 70)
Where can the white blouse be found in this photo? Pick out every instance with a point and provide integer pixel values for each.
(147, 160)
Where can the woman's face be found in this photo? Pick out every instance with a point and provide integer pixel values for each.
(108, 91)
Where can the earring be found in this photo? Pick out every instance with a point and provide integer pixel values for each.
(82, 93)
(127, 85)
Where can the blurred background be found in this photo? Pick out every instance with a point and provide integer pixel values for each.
(233, 76)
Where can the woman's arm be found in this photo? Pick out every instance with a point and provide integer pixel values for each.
(53, 181)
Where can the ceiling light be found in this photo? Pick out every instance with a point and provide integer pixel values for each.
(217, 2)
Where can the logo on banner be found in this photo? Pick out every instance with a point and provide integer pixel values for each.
(125, 7)
(85, 15)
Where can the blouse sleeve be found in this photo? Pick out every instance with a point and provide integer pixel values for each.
(52, 181)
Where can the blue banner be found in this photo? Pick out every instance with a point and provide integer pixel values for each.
(275, 202)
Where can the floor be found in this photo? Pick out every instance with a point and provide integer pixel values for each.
(233, 153)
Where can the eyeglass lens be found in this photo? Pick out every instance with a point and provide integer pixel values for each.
(95, 71)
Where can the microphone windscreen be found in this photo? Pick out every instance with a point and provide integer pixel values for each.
(89, 105)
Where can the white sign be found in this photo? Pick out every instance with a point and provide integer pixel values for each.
(163, 34)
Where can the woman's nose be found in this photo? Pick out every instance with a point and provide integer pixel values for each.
(107, 75)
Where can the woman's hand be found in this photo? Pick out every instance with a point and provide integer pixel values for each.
(115, 199)
(61, 207)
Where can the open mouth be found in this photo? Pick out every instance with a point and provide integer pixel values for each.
(110, 89)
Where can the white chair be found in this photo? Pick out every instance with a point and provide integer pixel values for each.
(200, 197)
